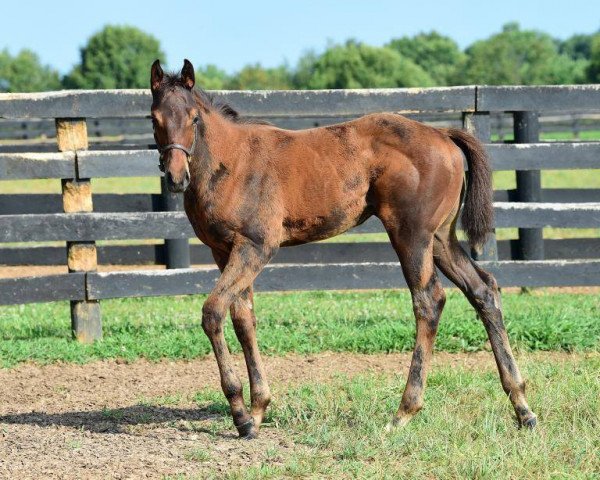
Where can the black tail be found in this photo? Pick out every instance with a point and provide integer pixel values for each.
(478, 211)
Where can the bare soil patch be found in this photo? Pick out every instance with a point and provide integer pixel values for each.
(105, 419)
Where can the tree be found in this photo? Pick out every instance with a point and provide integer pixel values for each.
(115, 57)
(255, 77)
(593, 69)
(304, 70)
(520, 57)
(578, 47)
(438, 55)
(356, 65)
(211, 77)
(25, 73)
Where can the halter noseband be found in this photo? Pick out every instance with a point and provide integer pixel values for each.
(176, 146)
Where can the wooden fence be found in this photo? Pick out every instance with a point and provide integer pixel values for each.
(81, 219)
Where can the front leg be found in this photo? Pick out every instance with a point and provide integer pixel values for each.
(245, 262)
(244, 323)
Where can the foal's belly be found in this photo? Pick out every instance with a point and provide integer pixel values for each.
(336, 221)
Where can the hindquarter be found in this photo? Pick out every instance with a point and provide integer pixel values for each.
(422, 175)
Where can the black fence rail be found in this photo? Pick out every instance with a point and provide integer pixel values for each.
(78, 219)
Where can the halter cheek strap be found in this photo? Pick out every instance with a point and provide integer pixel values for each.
(176, 146)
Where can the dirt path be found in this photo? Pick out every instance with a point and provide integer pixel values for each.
(100, 420)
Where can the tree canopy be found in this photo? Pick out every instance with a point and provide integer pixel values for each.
(520, 57)
(25, 73)
(437, 54)
(578, 46)
(211, 77)
(115, 57)
(255, 77)
(357, 65)
(593, 69)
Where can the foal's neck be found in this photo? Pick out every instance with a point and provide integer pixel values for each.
(217, 149)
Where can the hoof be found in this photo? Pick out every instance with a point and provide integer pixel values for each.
(397, 422)
(250, 436)
(247, 430)
(529, 423)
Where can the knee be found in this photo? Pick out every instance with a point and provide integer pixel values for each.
(212, 318)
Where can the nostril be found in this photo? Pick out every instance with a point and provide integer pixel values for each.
(187, 177)
(169, 178)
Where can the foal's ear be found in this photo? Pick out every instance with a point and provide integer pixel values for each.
(156, 75)
(187, 74)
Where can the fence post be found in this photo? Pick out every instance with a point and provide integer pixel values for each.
(529, 186)
(86, 323)
(177, 250)
(479, 124)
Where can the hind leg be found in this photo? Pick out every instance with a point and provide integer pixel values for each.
(416, 258)
(482, 292)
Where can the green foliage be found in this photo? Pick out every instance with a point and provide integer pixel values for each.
(578, 47)
(211, 77)
(356, 65)
(25, 73)
(593, 70)
(255, 77)
(465, 430)
(438, 55)
(304, 70)
(115, 57)
(309, 322)
(520, 57)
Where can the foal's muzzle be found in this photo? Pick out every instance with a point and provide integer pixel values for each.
(177, 186)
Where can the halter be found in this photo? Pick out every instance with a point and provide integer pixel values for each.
(176, 146)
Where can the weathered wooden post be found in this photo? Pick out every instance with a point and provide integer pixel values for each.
(478, 124)
(177, 250)
(86, 323)
(529, 186)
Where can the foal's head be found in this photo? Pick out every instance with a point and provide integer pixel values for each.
(175, 118)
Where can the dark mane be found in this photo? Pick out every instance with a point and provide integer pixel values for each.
(174, 80)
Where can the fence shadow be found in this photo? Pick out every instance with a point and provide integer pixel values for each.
(115, 421)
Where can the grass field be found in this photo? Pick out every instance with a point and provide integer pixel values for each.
(306, 322)
(466, 429)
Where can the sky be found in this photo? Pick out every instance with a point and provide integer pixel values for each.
(233, 33)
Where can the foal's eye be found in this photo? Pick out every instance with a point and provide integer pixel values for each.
(196, 120)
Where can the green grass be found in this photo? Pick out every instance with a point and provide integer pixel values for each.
(307, 322)
(582, 178)
(566, 136)
(466, 429)
(197, 455)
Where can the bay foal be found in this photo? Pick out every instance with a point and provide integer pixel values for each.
(251, 188)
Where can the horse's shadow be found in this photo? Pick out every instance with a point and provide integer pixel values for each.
(113, 421)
